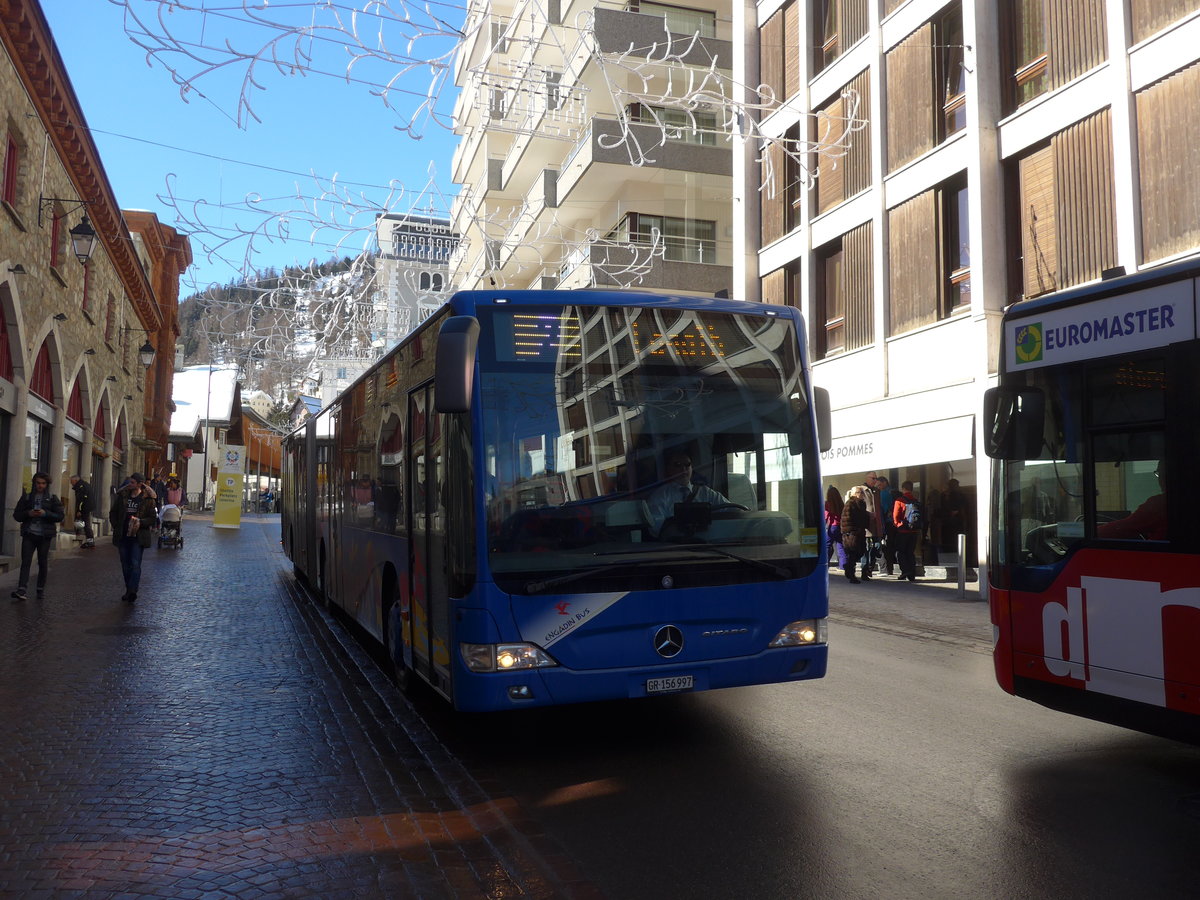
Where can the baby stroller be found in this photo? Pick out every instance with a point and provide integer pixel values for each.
(170, 527)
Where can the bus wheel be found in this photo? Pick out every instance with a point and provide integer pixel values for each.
(322, 586)
(404, 677)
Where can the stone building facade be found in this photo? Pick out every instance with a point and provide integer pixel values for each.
(75, 398)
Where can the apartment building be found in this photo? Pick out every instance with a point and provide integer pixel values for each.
(994, 150)
(578, 163)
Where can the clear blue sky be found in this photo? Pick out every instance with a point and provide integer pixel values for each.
(315, 122)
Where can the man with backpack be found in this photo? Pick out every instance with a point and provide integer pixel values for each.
(908, 515)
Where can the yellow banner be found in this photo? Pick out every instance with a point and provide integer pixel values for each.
(227, 509)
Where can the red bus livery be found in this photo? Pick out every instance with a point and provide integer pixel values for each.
(1094, 561)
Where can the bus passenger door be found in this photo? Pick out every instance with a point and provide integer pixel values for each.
(430, 611)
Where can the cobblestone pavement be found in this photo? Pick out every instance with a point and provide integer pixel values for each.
(216, 740)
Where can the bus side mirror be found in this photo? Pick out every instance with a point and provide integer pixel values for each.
(1013, 420)
(455, 365)
(824, 419)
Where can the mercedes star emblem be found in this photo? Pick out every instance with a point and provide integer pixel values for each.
(668, 641)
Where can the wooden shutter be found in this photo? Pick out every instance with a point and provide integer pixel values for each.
(911, 123)
(1084, 214)
(792, 79)
(1168, 125)
(770, 54)
(1039, 237)
(1151, 16)
(1076, 37)
(829, 164)
(853, 23)
(858, 287)
(774, 287)
(773, 195)
(915, 267)
(858, 159)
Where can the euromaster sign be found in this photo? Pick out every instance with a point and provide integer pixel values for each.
(1142, 320)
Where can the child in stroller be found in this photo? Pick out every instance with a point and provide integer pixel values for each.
(170, 526)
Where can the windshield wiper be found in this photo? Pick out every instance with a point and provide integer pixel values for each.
(778, 571)
(536, 587)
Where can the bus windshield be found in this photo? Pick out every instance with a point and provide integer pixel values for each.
(623, 443)
(1100, 472)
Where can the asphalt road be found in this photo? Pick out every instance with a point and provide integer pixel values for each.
(905, 773)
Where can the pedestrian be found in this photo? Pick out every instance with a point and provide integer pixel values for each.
(871, 548)
(39, 513)
(159, 488)
(133, 517)
(174, 495)
(887, 499)
(908, 520)
(854, 530)
(833, 523)
(954, 514)
(83, 511)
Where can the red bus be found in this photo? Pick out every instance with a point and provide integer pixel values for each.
(1094, 559)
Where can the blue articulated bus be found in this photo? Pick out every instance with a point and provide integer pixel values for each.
(547, 497)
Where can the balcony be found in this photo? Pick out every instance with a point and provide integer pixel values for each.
(607, 144)
(617, 31)
(634, 266)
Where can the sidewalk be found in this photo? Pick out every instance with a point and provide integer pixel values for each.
(929, 609)
(216, 739)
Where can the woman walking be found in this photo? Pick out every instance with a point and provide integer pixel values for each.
(39, 513)
(855, 520)
(133, 516)
(833, 523)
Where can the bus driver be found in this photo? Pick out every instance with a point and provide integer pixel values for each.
(679, 489)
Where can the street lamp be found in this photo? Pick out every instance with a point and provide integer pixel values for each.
(83, 235)
(146, 354)
(83, 240)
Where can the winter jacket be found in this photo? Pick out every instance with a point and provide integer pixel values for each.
(39, 526)
(147, 515)
(855, 520)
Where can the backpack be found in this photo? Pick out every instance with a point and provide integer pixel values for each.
(914, 515)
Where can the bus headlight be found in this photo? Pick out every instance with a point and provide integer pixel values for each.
(798, 634)
(504, 657)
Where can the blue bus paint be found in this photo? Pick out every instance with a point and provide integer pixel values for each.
(519, 529)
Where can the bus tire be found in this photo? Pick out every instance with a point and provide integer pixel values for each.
(405, 678)
(322, 584)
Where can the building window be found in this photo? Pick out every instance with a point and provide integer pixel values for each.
(779, 52)
(56, 238)
(12, 170)
(684, 240)
(845, 288)
(87, 287)
(677, 124)
(842, 157)
(1050, 43)
(1151, 16)
(1061, 213)
(837, 26)
(952, 71)
(918, 118)
(679, 19)
(1168, 130)
(110, 320)
(928, 235)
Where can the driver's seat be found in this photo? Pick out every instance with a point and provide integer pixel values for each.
(741, 491)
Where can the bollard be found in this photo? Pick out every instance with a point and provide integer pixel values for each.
(962, 565)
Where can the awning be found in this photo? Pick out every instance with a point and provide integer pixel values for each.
(945, 440)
